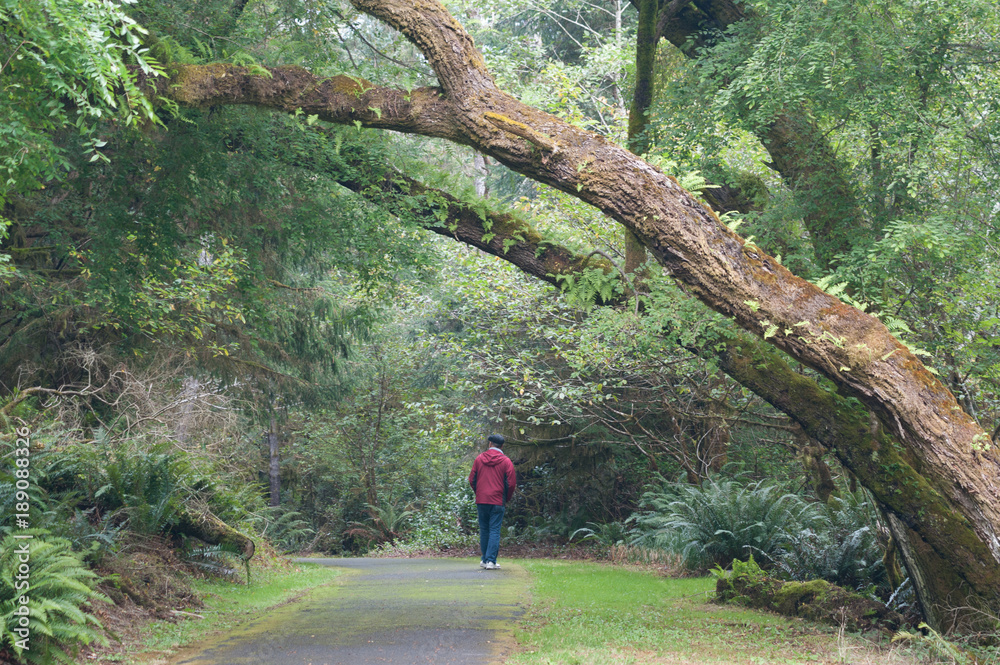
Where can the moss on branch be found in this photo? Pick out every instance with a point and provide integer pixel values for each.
(522, 130)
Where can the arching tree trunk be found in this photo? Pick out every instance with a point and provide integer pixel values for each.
(924, 458)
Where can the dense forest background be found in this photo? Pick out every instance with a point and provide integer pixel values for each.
(223, 329)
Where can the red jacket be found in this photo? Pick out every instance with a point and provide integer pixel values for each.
(493, 477)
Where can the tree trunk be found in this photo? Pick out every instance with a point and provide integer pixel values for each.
(638, 113)
(645, 67)
(189, 391)
(274, 470)
(926, 458)
(481, 168)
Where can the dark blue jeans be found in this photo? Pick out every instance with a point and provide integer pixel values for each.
(490, 518)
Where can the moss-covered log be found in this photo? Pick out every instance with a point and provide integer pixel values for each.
(208, 528)
(815, 600)
(943, 446)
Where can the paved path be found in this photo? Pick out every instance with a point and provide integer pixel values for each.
(399, 611)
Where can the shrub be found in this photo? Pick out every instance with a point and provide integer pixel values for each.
(723, 522)
(718, 522)
(537, 529)
(59, 588)
(448, 520)
(607, 535)
(219, 560)
(284, 527)
(842, 547)
(145, 484)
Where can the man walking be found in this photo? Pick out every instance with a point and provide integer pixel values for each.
(493, 479)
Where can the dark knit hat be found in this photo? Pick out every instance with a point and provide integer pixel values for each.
(496, 439)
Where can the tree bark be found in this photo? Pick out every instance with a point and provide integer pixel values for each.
(274, 469)
(953, 542)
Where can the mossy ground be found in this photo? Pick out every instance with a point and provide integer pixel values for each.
(597, 614)
(815, 600)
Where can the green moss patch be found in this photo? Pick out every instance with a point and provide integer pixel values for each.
(816, 600)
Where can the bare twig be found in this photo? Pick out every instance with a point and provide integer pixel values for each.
(367, 43)
(13, 53)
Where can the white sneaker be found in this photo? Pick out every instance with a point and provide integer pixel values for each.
(482, 564)
(492, 566)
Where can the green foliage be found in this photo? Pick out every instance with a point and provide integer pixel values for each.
(903, 95)
(284, 527)
(93, 536)
(145, 485)
(64, 68)
(843, 547)
(608, 534)
(585, 287)
(382, 463)
(60, 588)
(748, 569)
(720, 521)
(723, 522)
(269, 277)
(570, 59)
(218, 560)
(388, 523)
(447, 520)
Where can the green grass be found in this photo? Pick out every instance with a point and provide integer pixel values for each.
(596, 614)
(226, 605)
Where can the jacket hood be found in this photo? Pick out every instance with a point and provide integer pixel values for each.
(493, 456)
